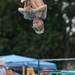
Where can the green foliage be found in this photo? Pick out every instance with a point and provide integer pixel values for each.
(17, 35)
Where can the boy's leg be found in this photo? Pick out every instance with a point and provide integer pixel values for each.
(40, 12)
(44, 14)
(37, 3)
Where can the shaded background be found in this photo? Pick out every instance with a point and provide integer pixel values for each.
(18, 37)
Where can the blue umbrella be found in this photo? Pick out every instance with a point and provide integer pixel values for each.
(43, 64)
(18, 61)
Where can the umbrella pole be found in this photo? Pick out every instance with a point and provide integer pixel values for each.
(23, 70)
(38, 67)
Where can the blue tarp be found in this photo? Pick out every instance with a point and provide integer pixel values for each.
(18, 61)
(43, 64)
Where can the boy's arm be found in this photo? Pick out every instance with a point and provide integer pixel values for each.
(41, 8)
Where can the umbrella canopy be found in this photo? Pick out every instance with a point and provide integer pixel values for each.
(18, 61)
(43, 64)
(15, 60)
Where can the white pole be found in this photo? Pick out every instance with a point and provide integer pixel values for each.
(23, 70)
(59, 59)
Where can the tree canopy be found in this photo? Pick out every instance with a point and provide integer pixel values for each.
(17, 35)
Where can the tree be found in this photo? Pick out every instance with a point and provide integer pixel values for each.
(17, 36)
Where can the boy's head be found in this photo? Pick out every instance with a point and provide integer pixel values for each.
(38, 26)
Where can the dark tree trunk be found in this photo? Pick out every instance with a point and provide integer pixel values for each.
(67, 48)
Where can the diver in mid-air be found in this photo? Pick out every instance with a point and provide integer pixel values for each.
(35, 10)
